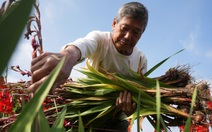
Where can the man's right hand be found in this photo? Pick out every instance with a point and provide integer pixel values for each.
(43, 65)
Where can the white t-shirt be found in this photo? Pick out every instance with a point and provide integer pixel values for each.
(98, 48)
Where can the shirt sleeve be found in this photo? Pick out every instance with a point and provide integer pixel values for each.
(87, 45)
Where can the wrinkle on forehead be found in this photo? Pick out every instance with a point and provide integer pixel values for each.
(135, 24)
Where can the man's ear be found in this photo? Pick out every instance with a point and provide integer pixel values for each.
(114, 23)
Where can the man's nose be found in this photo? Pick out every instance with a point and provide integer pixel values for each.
(128, 35)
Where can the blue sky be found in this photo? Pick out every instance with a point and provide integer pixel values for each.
(173, 25)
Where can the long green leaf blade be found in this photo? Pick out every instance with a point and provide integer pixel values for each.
(43, 123)
(188, 122)
(160, 63)
(58, 124)
(26, 118)
(138, 111)
(81, 127)
(11, 28)
(158, 105)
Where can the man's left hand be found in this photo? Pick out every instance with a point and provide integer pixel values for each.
(124, 102)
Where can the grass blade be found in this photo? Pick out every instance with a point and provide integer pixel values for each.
(26, 118)
(158, 106)
(81, 127)
(11, 28)
(43, 123)
(138, 111)
(104, 112)
(58, 124)
(160, 63)
(188, 122)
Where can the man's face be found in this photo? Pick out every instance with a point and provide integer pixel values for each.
(126, 34)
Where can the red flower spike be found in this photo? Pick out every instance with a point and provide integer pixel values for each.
(67, 123)
(34, 43)
(129, 126)
(201, 128)
(181, 128)
(2, 83)
(209, 105)
(2, 80)
(195, 128)
(6, 103)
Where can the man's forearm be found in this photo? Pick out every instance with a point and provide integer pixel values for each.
(72, 53)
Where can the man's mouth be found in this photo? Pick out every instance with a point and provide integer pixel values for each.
(122, 42)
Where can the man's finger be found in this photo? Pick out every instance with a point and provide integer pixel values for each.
(35, 85)
(39, 58)
(37, 65)
(129, 105)
(40, 73)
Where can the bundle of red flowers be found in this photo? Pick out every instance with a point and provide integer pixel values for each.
(6, 103)
(196, 128)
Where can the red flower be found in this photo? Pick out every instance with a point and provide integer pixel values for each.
(195, 128)
(6, 103)
(129, 126)
(201, 128)
(181, 128)
(67, 123)
(209, 105)
(2, 83)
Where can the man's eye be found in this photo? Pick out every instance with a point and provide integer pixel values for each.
(137, 33)
(123, 28)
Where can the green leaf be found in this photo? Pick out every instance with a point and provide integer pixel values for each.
(103, 113)
(188, 122)
(95, 109)
(138, 111)
(98, 76)
(160, 63)
(81, 127)
(26, 118)
(163, 124)
(158, 106)
(43, 123)
(11, 28)
(58, 124)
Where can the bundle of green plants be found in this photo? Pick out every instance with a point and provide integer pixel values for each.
(169, 95)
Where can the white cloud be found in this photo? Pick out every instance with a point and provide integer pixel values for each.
(208, 54)
(48, 12)
(57, 8)
(190, 43)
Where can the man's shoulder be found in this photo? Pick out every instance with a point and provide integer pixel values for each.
(100, 32)
(99, 35)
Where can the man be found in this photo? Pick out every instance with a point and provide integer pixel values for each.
(113, 51)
